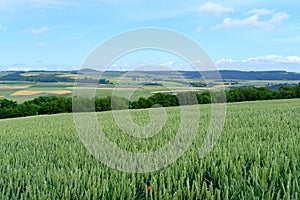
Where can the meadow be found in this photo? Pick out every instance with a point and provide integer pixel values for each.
(257, 157)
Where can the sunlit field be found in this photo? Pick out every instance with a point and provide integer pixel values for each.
(257, 157)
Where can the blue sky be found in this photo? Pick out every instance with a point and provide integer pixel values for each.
(60, 34)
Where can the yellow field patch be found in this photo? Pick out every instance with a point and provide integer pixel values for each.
(30, 74)
(33, 92)
(14, 86)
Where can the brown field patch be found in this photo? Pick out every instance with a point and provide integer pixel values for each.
(32, 92)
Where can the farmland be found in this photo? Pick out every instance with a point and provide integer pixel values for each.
(257, 157)
(23, 86)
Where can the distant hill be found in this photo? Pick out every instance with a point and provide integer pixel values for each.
(246, 75)
(260, 75)
(17, 76)
(225, 74)
(87, 71)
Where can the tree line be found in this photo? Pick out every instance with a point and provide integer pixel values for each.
(56, 104)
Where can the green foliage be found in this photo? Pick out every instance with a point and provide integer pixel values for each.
(109, 103)
(198, 84)
(298, 91)
(104, 81)
(27, 109)
(164, 100)
(187, 98)
(153, 84)
(4, 103)
(52, 104)
(257, 157)
(10, 109)
(204, 98)
(288, 92)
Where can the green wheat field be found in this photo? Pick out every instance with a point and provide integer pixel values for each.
(256, 157)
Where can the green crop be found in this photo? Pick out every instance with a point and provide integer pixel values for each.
(257, 157)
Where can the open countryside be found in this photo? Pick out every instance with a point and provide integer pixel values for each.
(149, 100)
(252, 158)
(143, 84)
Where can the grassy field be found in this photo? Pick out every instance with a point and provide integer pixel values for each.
(257, 157)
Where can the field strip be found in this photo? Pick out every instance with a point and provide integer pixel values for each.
(141, 88)
(32, 92)
(91, 88)
(174, 91)
(14, 87)
(67, 75)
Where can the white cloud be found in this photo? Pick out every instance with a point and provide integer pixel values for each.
(278, 17)
(41, 45)
(261, 11)
(225, 60)
(22, 66)
(215, 9)
(254, 20)
(38, 31)
(274, 58)
(18, 69)
(262, 63)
